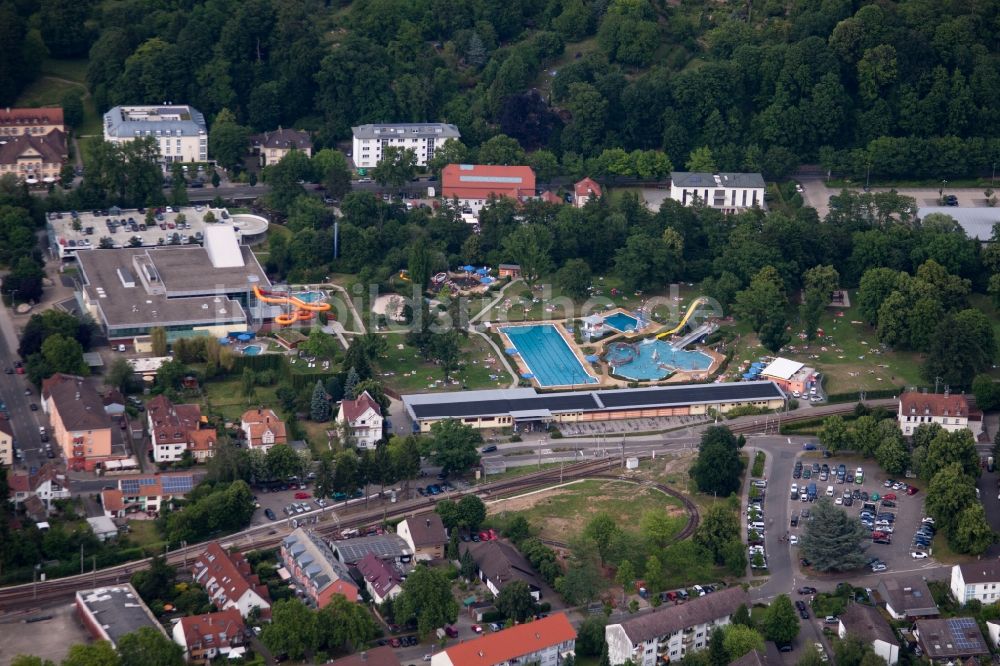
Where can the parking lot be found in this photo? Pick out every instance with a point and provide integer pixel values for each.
(907, 510)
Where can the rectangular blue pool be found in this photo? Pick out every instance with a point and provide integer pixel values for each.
(547, 355)
(622, 322)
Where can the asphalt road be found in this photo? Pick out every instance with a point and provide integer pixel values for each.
(24, 422)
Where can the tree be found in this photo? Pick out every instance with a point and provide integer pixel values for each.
(718, 467)
(501, 149)
(30, 660)
(718, 528)
(331, 168)
(319, 407)
(471, 512)
(248, 384)
(467, 565)
(590, 636)
(25, 280)
(515, 602)
(574, 279)
(819, 284)
(100, 653)
(351, 384)
(282, 462)
(987, 393)
(119, 374)
(344, 625)
(149, 647)
(345, 471)
(530, 247)
(701, 159)
(832, 540)
(625, 576)
(293, 629)
(658, 528)
(445, 350)
(972, 533)
(581, 583)
(426, 598)
(741, 639)
(946, 448)
(834, 434)
(762, 304)
(452, 445)
(178, 188)
(216, 179)
(780, 622)
(72, 105)
(158, 340)
(962, 346)
(396, 168)
(602, 530)
(228, 140)
(949, 493)
(717, 655)
(892, 455)
(156, 582)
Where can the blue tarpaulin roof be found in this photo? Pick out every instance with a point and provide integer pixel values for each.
(482, 271)
(468, 269)
(511, 351)
(527, 375)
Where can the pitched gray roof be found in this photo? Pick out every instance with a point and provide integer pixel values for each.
(501, 563)
(984, 571)
(909, 595)
(704, 179)
(427, 530)
(867, 623)
(125, 121)
(699, 610)
(951, 637)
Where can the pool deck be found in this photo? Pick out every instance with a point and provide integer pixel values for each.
(522, 364)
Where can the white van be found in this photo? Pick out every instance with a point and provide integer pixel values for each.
(829, 491)
(758, 526)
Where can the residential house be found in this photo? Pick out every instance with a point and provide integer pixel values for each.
(424, 139)
(769, 657)
(866, 623)
(791, 376)
(317, 573)
(170, 427)
(499, 563)
(548, 196)
(180, 131)
(262, 429)
(103, 527)
(728, 192)
(230, 582)
(976, 580)
(670, 632)
(907, 597)
(110, 612)
(950, 411)
(6, 443)
(205, 637)
(147, 493)
(382, 580)
(34, 158)
(475, 184)
(513, 271)
(47, 483)
(425, 535)
(272, 146)
(36, 121)
(202, 444)
(380, 656)
(388, 547)
(584, 190)
(548, 641)
(949, 640)
(79, 425)
(363, 418)
(993, 630)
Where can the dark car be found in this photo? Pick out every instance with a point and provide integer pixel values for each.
(804, 614)
(807, 590)
(489, 449)
(801, 605)
(33, 407)
(270, 514)
(784, 647)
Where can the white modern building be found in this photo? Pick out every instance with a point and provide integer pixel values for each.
(670, 632)
(978, 581)
(948, 410)
(180, 130)
(728, 192)
(866, 623)
(422, 138)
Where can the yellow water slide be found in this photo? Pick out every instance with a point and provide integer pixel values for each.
(303, 310)
(698, 302)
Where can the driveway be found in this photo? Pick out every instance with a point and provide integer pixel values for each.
(816, 194)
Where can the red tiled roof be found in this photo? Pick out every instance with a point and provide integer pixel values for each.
(586, 187)
(933, 404)
(509, 644)
(23, 482)
(51, 147)
(171, 422)
(231, 571)
(112, 500)
(551, 197)
(213, 629)
(354, 409)
(480, 181)
(260, 421)
(202, 440)
(34, 116)
(80, 407)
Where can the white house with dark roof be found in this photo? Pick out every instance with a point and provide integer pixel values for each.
(424, 139)
(498, 564)
(363, 417)
(950, 640)
(179, 130)
(230, 582)
(382, 580)
(670, 632)
(865, 622)
(907, 597)
(425, 535)
(728, 192)
(976, 580)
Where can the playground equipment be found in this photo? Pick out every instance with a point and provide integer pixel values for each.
(404, 275)
(701, 300)
(303, 311)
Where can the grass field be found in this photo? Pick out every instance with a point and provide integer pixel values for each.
(402, 369)
(564, 511)
(226, 398)
(144, 534)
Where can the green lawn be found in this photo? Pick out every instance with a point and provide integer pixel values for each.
(73, 70)
(226, 398)
(402, 369)
(564, 511)
(144, 534)
(45, 92)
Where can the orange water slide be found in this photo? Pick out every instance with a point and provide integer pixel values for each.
(304, 311)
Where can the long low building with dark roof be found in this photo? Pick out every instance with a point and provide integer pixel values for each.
(504, 408)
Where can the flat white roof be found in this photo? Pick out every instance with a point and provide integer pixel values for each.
(782, 368)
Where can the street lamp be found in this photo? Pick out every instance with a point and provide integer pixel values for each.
(944, 183)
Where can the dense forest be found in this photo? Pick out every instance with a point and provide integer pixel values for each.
(903, 88)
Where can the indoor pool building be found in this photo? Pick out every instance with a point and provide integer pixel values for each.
(507, 408)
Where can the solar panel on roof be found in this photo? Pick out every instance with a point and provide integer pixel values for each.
(149, 481)
(130, 486)
(961, 635)
(177, 484)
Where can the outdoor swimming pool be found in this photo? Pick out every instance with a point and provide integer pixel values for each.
(653, 359)
(547, 355)
(622, 322)
(252, 350)
(310, 296)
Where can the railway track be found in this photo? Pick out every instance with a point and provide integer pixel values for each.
(27, 596)
(751, 427)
